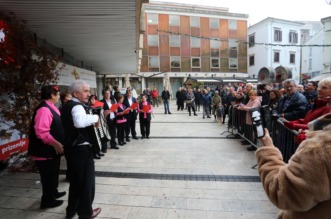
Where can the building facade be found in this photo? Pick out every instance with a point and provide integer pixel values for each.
(182, 41)
(272, 43)
(188, 40)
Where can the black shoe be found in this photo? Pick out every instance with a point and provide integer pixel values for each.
(189, 114)
(115, 147)
(124, 142)
(104, 151)
(196, 114)
(59, 194)
(165, 113)
(135, 137)
(142, 137)
(147, 137)
(53, 204)
(97, 157)
(203, 117)
(251, 148)
(127, 139)
(101, 154)
(208, 117)
(120, 144)
(169, 113)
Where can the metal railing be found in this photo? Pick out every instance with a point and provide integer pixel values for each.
(283, 137)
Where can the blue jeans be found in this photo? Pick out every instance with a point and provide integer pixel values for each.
(166, 106)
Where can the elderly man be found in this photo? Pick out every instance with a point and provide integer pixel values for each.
(293, 105)
(78, 145)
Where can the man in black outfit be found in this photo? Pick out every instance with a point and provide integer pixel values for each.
(165, 97)
(78, 143)
(108, 101)
(131, 117)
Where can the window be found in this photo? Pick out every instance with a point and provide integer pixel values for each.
(195, 62)
(213, 23)
(310, 64)
(195, 21)
(233, 53)
(293, 37)
(174, 20)
(152, 19)
(251, 40)
(153, 40)
(153, 61)
(233, 63)
(215, 43)
(310, 51)
(232, 25)
(278, 35)
(233, 44)
(195, 42)
(175, 61)
(215, 63)
(251, 60)
(292, 58)
(174, 41)
(276, 56)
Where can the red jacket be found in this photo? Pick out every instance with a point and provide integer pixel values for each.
(154, 93)
(321, 109)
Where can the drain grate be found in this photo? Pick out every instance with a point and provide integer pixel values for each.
(184, 177)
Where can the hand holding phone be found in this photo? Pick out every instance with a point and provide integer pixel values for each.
(257, 121)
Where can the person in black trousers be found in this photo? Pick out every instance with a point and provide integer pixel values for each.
(145, 117)
(131, 117)
(108, 101)
(166, 97)
(78, 142)
(46, 145)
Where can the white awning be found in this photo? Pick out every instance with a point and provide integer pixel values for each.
(320, 77)
(208, 80)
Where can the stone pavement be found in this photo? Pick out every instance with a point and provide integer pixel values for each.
(185, 170)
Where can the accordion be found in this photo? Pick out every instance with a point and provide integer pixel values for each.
(101, 134)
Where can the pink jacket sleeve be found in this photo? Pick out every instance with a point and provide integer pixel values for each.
(42, 126)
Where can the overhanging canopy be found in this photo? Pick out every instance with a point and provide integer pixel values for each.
(103, 34)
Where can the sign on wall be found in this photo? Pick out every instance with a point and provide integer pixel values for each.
(68, 74)
(18, 146)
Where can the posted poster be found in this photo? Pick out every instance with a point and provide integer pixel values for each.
(18, 146)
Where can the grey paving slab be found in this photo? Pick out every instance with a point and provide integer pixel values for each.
(188, 152)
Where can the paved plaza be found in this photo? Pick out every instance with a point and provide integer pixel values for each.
(187, 169)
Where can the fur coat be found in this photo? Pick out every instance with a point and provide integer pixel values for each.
(301, 188)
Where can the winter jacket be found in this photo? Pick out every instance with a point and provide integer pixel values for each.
(320, 109)
(296, 109)
(301, 188)
(206, 99)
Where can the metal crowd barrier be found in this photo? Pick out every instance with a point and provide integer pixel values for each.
(283, 137)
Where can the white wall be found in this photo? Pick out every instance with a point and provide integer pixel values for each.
(264, 33)
(313, 53)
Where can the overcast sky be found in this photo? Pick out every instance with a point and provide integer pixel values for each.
(295, 10)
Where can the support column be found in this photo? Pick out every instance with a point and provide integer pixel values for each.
(327, 41)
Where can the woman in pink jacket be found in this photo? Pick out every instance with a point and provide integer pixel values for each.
(254, 102)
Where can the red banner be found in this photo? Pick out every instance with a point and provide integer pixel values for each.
(18, 146)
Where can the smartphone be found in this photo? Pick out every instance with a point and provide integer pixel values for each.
(258, 121)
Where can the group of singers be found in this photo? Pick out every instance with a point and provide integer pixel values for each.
(54, 133)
